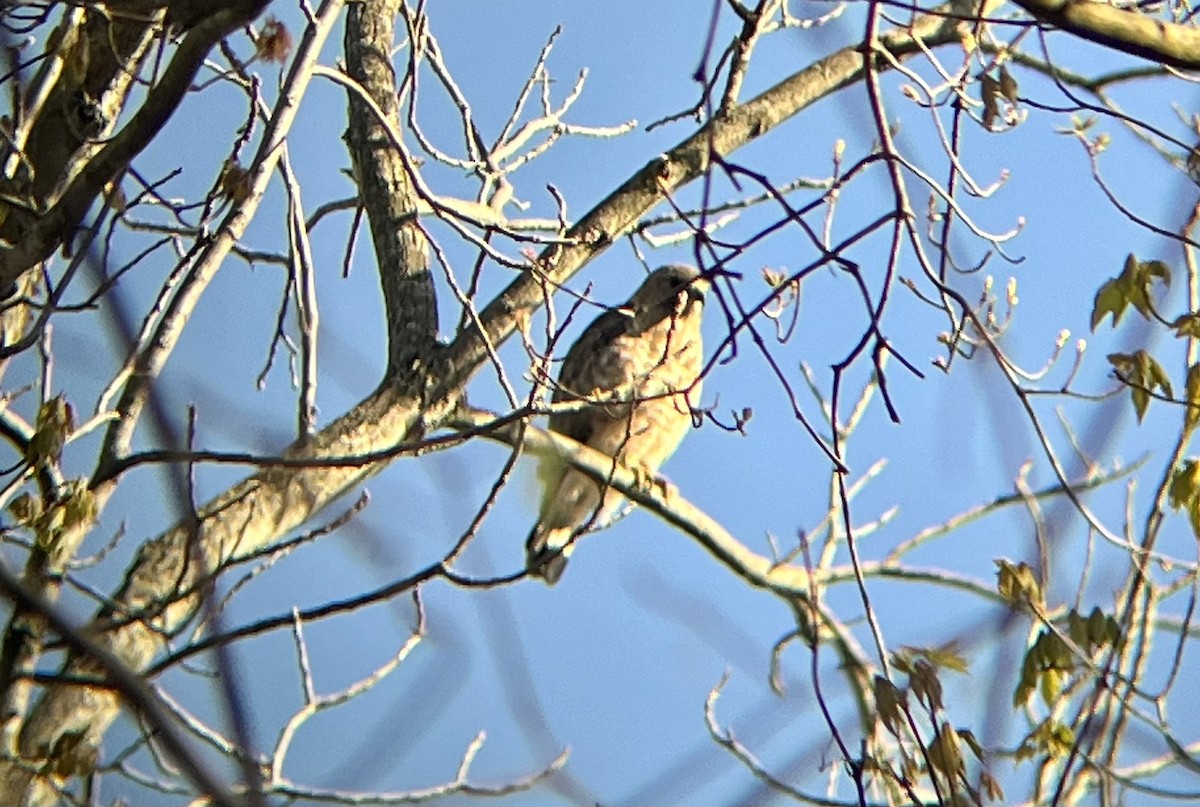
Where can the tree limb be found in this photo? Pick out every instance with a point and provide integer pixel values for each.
(39, 235)
(1125, 30)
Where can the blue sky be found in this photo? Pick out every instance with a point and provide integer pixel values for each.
(616, 662)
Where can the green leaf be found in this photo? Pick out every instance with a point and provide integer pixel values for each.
(991, 787)
(1051, 738)
(944, 657)
(1110, 299)
(889, 703)
(1008, 86)
(1191, 415)
(1155, 374)
(968, 737)
(1017, 584)
(1157, 269)
(1185, 483)
(1029, 679)
(55, 421)
(1097, 627)
(1183, 492)
(1143, 375)
(76, 509)
(1130, 288)
(25, 509)
(989, 94)
(945, 754)
(1077, 628)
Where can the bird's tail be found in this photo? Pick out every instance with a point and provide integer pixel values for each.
(546, 552)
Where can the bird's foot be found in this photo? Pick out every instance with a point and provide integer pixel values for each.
(648, 480)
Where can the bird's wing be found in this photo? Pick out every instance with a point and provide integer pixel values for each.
(594, 362)
(588, 367)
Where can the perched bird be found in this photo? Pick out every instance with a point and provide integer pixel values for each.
(638, 365)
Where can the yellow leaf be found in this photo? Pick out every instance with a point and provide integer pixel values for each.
(1052, 684)
(969, 43)
(1017, 584)
(1187, 326)
(889, 703)
(1185, 482)
(944, 752)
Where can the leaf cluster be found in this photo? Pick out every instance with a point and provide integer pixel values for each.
(942, 759)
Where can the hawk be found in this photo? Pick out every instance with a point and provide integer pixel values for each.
(637, 365)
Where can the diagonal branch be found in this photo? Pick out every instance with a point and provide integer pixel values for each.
(659, 497)
(1122, 29)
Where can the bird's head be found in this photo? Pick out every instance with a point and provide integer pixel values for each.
(676, 290)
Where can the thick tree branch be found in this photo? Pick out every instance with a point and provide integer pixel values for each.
(37, 236)
(1126, 30)
(386, 186)
(53, 132)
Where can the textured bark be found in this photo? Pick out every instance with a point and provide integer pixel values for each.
(387, 190)
(62, 113)
(1128, 30)
(160, 592)
(57, 217)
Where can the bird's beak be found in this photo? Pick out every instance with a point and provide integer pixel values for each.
(697, 289)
